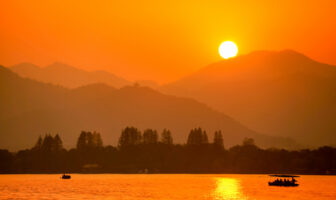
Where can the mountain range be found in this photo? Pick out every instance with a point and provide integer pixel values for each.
(31, 108)
(72, 77)
(280, 93)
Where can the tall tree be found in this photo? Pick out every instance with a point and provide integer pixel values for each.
(82, 141)
(48, 143)
(130, 136)
(58, 144)
(166, 137)
(150, 136)
(197, 137)
(218, 139)
(88, 141)
(38, 144)
(205, 138)
(97, 140)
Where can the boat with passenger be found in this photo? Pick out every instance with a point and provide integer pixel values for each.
(66, 176)
(283, 180)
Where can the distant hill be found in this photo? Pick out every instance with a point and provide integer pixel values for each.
(67, 76)
(147, 83)
(280, 93)
(30, 108)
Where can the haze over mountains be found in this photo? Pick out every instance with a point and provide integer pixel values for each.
(279, 93)
(282, 94)
(71, 77)
(30, 108)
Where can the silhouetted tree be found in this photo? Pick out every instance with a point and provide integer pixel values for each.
(130, 136)
(197, 137)
(205, 138)
(57, 143)
(89, 141)
(97, 140)
(82, 141)
(38, 144)
(48, 143)
(150, 136)
(6, 161)
(166, 137)
(218, 139)
(48, 156)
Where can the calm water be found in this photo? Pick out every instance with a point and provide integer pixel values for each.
(158, 187)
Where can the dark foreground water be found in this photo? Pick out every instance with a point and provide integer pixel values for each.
(158, 187)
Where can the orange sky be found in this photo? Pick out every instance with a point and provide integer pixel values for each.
(160, 40)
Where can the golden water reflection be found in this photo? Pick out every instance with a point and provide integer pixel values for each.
(228, 189)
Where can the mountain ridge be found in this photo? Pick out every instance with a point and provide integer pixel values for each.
(31, 108)
(68, 76)
(280, 93)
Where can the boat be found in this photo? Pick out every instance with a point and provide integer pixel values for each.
(283, 180)
(66, 176)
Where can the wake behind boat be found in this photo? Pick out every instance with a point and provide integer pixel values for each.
(283, 180)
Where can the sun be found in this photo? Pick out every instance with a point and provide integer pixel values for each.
(228, 49)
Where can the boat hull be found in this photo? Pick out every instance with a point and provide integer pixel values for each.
(66, 177)
(283, 185)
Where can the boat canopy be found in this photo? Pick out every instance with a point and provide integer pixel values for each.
(283, 175)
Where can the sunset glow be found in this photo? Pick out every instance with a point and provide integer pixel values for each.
(228, 49)
(227, 188)
(218, 100)
(159, 41)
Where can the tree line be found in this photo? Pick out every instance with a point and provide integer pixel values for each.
(151, 152)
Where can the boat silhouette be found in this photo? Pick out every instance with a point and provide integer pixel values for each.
(283, 180)
(66, 176)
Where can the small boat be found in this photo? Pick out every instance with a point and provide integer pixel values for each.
(283, 180)
(65, 176)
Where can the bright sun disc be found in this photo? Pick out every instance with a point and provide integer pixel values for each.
(228, 49)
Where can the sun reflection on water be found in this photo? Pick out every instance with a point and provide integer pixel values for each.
(228, 189)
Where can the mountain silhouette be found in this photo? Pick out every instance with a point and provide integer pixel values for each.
(279, 93)
(67, 76)
(31, 108)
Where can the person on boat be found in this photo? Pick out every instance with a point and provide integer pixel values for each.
(65, 176)
(280, 182)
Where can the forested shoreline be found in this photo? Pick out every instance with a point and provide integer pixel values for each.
(150, 152)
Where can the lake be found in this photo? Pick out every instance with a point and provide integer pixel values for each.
(159, 187)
